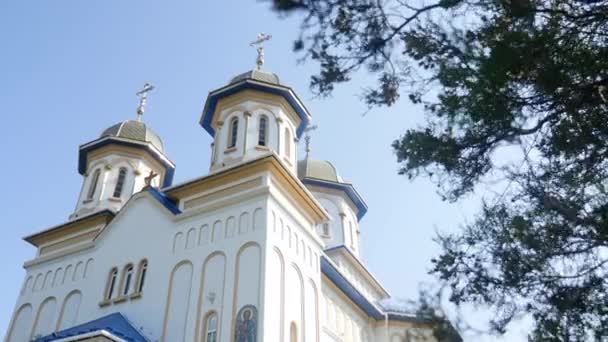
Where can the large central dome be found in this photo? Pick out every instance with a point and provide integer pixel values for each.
(134, 130)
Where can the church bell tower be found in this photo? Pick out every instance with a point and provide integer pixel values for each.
(126, 157)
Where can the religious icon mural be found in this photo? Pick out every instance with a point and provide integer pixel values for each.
(246, 324)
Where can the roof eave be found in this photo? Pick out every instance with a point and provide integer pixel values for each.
(84, 149)
(233, 88)
(348, 189)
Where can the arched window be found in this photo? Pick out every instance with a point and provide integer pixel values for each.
(120, 182)
(128, 277)
(262, 132)
(326, 229)
(111, 283)
(352, 237)
(287, 143)
(211, 328)
(234, 131)
(93, 184)
(143, 267)
(293, 332)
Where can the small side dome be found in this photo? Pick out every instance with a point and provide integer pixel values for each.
(134, 130)
(318, 169)
(258, 75)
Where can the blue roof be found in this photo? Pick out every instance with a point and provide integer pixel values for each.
(164, 200)
(349, 290)
(347, 188)
(285, 92)
(115, 323)
(84, 151)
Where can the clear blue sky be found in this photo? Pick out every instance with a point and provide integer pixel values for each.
(69, 69)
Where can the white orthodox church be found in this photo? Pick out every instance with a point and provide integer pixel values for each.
(264, 247)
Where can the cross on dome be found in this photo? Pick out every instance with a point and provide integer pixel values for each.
(307, 137)
(259, 42)
(143, 96)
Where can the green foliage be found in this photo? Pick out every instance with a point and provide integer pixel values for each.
(523, 73)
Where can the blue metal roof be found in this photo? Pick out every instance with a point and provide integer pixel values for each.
(349, 290)
(164, 200)
(84, 151)
(285, 92)
(115, 324)
(347, 188)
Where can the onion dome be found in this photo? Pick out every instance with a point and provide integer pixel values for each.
(134, 130)
(318, 169)
(258, 75)
(321, 173)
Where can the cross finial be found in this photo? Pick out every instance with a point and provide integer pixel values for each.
(149, 178)
(143, 96)
(259, 42)
(307, 137)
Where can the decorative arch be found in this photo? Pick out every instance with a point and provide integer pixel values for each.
(230, 227)
(44, 323)
(47, 279)
(203, 236)
(88, 268)
(216, 233)
(57, 277)
(242, 295)
(177, 241)
(78, 271)
(20, 327)
(68, 273)
(180, 287)
(191, 238)
(69, 310)
(219, 295)
(280, 310)
(301, 300)
(26, 285)
(258, 219)
(244, 223)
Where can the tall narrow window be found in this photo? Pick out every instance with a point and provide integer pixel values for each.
(128, 276)
(326, 229)
(350, 230)
(287, 143)
(93, 184)
(262, 131)
(211, 328)
(111, 283)
(143, 267)
(120, 182)
(234, 131)
(293, 332)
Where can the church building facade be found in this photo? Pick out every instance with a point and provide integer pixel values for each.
(265, 247)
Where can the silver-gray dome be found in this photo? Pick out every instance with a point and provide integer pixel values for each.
(318, 169)
(258, 75)
(134, 130)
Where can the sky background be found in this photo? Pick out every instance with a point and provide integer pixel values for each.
(69, 69)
